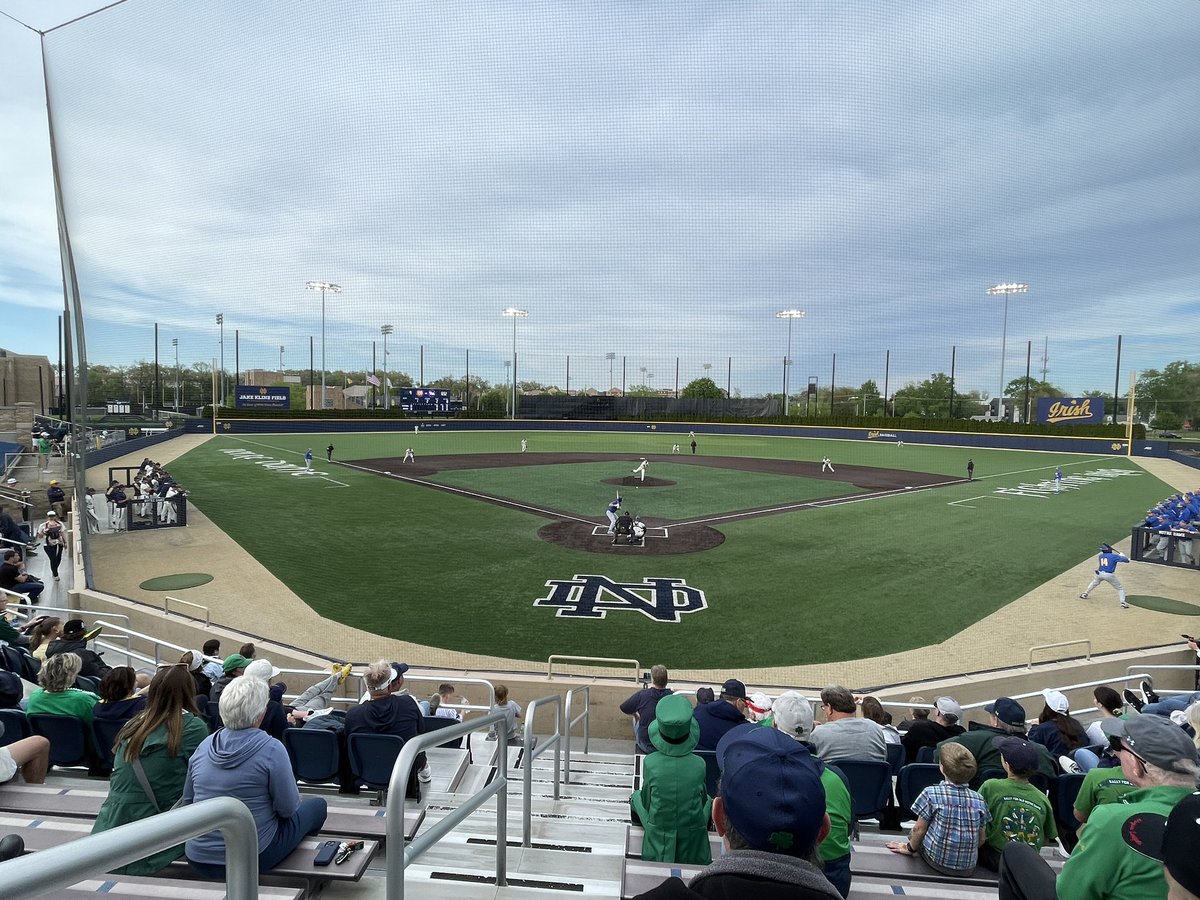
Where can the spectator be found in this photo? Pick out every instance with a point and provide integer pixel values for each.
(705, 695)
(758, 709)
(74, 639)
(54, 539)
(44, 630)
(843, 736)
(723, 714)
(193, 661)
(212, 666)
(512, 708)
(929, 732)
(872, 709)
(12, 692)
(440, 704)
(30, 755)
(57, 694)
(1152, 704)
(16, 535)
(641, 705)
(233, 666)
(1175, 845)
(1056, 730)
(8, 633)
(57, 498)
(243, 762)
(1007, 717)
(160, 740)
(951, 818)
(1110, 706)
(274, 721)
(388, 711)
(13, 577)
(1100, 786)
(1020, 812)
(247, 650)
(1160, 761)
(672, 804)
(917, 713)
(794, 717)
(770, 836)
(118, 695)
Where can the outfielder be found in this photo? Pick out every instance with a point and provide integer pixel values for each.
(308, 460)
(524, 445)
(611, 512)
(1058, 481)
(641, 470)
(408, 456)
(826, 464)
(1106, 571)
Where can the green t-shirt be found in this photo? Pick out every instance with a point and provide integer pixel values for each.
(1101, 786)
(837, 805)
(71, 702)
(1020, 812)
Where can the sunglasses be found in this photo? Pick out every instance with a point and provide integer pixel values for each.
(1114, 744)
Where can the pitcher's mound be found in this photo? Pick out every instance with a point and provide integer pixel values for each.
(594, 539)
(631, 481)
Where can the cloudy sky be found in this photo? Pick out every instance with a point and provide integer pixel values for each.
(653, 179)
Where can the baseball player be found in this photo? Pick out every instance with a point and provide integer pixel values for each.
(1106, 571)
(826, 464)
(674, 448)
(329, 453)
(408, 456)
(641, 469)
(970, 470)
(308, 460)
(524, 445)
(1058, 480)
(611, 512)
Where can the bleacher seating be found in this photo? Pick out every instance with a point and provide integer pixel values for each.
(315, 754)
(70, 741)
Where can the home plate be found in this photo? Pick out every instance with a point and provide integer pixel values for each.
(658, 532)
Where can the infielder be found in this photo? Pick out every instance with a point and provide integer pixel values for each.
(408, 456)
(308, 460)
(674, 448)
(826, 464)
(1058, 481)
(641, 470)
(1106, 571)
(611, 512)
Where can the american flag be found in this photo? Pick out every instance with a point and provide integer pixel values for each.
(371, 379)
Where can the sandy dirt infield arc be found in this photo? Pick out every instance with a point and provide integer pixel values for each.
(667, 537)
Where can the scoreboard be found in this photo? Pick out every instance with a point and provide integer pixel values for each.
(428, 400)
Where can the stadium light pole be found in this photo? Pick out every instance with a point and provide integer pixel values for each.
(332, 288)
(1005, 289)
(175, 344)
(611, 357)
(221, 326)
(513, 313)
(790, 315)
(385, 330)
(281, 359)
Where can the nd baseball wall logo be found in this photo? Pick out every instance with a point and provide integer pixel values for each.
(592, 596)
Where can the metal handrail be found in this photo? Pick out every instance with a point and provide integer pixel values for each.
(1195, 668)
(1060, 644)
(593, 660)
(158, 643)
(438, 679)
(59, 867)
(167, 600)
(1064, 688)
(532, 753)
(398, 861)
(582, 717)
(32, 608)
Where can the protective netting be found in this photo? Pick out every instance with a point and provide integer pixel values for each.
(653, 181)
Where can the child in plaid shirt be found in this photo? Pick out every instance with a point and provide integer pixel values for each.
(951, 818)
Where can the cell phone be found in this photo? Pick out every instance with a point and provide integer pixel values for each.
(1188, 637)
(325, 853)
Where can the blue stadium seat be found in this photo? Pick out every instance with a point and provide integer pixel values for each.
(68, 737)
(1063, 791)
(314, 754)
(870, 786)
(895, 755)
(927, 755)
(104, 731)
(88, 683)
(372, 758)
(16, 726)
(913, 779)
(433, 723)
(712, 772)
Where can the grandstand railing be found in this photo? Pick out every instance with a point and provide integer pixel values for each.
(1033, 650)
(1181, 668)
(168, 600)
(398, 861)
(593, 661)
(463, 707)
(532, 752)
(568, 701)
(59, 867)
(1067, 687)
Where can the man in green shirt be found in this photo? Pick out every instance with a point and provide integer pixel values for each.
(1109, 863)
(1020, 812)
(1100, 786)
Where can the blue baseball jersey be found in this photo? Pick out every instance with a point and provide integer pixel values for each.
(1108, 561)
(308, 456)
(614, 506)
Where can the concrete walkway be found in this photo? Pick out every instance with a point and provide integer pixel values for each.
(246, 596)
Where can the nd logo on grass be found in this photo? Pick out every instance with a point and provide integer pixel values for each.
(592, 596)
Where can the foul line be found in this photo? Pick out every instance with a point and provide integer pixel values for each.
(967, 500)
(291, 452)
(815, 504)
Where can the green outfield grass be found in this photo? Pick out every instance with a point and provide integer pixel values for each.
(859, 579)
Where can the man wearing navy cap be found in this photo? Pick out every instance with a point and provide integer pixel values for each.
(725, 713)
(1007, 718)
(770, 811)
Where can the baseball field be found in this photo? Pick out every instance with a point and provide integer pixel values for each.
(754, 556)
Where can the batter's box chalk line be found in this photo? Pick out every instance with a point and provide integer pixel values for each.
(659, 532)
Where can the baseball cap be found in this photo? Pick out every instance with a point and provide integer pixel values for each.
(11, 481)
(1007, 710)
(733, 689)
(398, 670)
(261, 668)
(771, 790)
(1057, 701)
(1171, 840)
(1156, 739)
(1020, 755)
(54, 481)
(793, 714)
(948, 706)
(233, 662)
(760, 705)
(51, 514)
